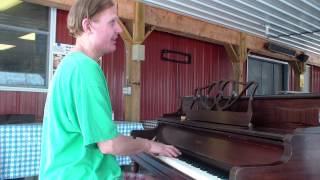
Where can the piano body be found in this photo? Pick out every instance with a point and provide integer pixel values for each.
(238, 137)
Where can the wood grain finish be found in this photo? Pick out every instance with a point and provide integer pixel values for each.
(284, 112)
(281, 144)
(300, 161)
(278, 111)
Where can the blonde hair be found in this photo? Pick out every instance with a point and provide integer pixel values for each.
(84, 9)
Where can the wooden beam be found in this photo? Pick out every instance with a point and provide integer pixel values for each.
(166, 20)
(232, 52)
(238, 56)
(125, 35)
(132, 103)
(299, 69)
(187, 26)
(139, 24)
(243, 48)
(126, 9)
(60, 4)
(313, 59)
(149, 32)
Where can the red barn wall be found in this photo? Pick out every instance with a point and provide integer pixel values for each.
(315, 79)
(163, 83)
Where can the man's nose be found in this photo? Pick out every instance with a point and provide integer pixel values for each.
(118, 28)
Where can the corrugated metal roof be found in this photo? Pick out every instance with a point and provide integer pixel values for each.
(295, 23)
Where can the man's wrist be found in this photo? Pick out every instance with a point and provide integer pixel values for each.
(146, 144)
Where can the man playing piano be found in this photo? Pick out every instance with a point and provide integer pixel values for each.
(79, 138)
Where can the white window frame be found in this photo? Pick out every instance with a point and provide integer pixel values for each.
(52, 37)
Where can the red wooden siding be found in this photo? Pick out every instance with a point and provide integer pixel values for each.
(158, 78)
(315, 79)
(62, 33)
(292, 82)
(113, 66)
(163, 83)
(22, 103)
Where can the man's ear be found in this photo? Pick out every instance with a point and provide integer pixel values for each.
(86, 25)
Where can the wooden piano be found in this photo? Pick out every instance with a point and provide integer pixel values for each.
(238, 136)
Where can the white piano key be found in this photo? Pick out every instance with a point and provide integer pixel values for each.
(188, 169)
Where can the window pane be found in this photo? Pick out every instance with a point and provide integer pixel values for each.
(278, 78)
(272, 76)
(254, 74)
(24, 46)
(26, 15)
(267, 78)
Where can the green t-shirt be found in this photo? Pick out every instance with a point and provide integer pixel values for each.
(77, 115)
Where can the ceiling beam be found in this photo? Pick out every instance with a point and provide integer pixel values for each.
(187, 26)
(184, 25)
(60, 4)
(133, 67)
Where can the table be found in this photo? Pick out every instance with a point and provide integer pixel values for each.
(20, 146)
(125, 128)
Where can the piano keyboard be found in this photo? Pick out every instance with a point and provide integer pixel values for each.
(190, 169)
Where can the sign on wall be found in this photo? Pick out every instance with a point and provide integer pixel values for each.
(59, 52)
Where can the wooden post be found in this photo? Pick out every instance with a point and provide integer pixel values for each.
(238, 56)
(133, 68)
(299, 69)
(242, 59)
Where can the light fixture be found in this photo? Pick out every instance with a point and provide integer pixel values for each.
(29, 37)
(6, 46)
(7, 4)
(267, 30)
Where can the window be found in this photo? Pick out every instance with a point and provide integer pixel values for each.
(24, 46)
(271, 75)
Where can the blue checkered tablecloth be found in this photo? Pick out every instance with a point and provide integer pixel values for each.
(125, 128)
(20, 148)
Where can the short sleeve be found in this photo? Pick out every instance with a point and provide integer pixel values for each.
(92, 103)
(95, 114)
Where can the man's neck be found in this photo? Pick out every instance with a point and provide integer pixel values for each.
(85, 47)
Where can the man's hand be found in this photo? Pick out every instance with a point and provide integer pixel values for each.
(124, 145)
(163, 149)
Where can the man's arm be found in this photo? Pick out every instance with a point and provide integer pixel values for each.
(125, 145)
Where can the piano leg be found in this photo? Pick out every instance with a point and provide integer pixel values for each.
(135, 167)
